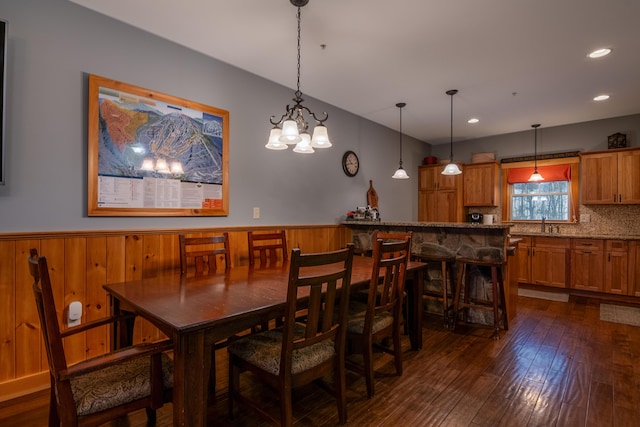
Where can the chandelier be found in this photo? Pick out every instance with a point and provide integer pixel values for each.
(292, 127)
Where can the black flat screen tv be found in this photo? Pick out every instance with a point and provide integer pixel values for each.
(3, 69)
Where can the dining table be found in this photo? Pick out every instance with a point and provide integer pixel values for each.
(198, 311)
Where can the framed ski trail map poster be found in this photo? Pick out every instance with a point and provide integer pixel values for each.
(152, 154)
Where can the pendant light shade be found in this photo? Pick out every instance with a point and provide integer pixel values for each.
(291, 127)
(400, 173)
(451, 168)
(535, 176)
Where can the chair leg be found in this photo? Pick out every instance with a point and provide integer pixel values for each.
(503, 299)
(341, 391)
(367, 356)
(445, 302)
(212, 371)
(234, 385)
(286, 410)
(456, 299)
(397, 349)
(54, 419)
(496, 303)
(151, 416)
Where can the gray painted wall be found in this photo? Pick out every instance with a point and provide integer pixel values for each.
(587, 136)
(54, 45)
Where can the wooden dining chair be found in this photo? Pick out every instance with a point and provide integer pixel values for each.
(380, 317)
(203, 253)
(302, 350)
(267, 245)
(106, 387)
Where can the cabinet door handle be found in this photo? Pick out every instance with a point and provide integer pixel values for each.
(587, 244)
(619, 198)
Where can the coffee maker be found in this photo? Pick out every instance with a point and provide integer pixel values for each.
(475, 218)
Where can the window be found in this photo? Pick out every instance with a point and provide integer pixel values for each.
(555, 198)
(534, 200)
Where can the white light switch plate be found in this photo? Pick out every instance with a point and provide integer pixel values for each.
(585, 218)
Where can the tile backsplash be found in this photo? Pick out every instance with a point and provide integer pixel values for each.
(614, 220)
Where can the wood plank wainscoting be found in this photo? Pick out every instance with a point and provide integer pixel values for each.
(80, 263)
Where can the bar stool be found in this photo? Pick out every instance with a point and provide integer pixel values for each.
(495, 304)
(446, 266)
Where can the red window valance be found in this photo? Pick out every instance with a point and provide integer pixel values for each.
(549, 173)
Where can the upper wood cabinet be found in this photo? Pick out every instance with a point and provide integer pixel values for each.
(439, 196)
(610, 177)
(481, 185)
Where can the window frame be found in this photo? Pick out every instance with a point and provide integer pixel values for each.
(574, 189)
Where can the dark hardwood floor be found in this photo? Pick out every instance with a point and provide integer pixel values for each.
(558, 365)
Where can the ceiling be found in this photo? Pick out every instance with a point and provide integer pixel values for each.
(514, 62)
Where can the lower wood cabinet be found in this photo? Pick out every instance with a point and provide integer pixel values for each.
(586, 264)
(633, 287)
(597, 265)
(616, 267)
(543, 261)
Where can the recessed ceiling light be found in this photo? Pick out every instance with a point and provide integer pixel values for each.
(473, 120)
(599, 53)
(601, 98)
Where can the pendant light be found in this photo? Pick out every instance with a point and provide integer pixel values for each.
(535, 176)
(400, 173)
(451, 168)
(292, 127)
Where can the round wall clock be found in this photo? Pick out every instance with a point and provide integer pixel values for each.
(350, 163)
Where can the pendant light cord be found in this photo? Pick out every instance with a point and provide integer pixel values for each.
(401, 136)
(535, 147)
(451, 130)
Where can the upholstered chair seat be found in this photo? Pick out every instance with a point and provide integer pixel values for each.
(117, 384)
(265, 348)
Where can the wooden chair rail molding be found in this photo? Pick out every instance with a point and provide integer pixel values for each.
(93, 258)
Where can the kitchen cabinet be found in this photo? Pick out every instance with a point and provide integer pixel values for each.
(610, 177)
(633, 278)
(616, 266)
(481, 184)
(586, 264)
(543, 261)
(523, 260)
(439, 196)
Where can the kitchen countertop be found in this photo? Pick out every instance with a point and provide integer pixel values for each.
(500, 226)
(577, 236)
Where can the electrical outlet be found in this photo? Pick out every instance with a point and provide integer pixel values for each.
(585, 218)
(256, 213)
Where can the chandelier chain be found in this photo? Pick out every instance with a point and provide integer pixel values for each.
(298, 93)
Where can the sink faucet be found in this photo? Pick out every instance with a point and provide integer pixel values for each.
(542, 225)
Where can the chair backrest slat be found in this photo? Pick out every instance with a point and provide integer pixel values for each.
(267, 245)
(391, 252)
(202, 253)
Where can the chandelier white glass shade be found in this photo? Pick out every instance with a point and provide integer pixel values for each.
(292, 125)
(535, 176)
(451, 168)
(400, 173)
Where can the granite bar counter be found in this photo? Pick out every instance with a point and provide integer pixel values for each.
(488, 242)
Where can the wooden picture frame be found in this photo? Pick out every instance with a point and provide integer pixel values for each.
(152, 154)
(3, 85)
